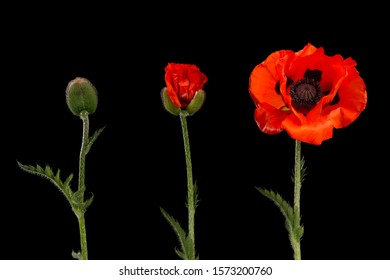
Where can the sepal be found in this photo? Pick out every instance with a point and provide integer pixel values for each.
(196, 103)
(168, 104)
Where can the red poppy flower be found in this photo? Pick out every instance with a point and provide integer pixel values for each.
(306, 93)
(183, 82)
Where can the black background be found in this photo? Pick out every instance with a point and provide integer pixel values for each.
(137, 165)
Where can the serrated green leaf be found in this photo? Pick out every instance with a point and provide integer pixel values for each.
(46, 173)
(93, 138)
(292, 222)
(186, 243)
(283, 206)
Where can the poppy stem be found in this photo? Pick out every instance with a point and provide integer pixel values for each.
(190, 184)
(81, 186)
(296, 240)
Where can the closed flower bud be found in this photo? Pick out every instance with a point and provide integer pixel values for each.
(81, 95)
(184, 88)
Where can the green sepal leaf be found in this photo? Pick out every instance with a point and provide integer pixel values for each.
(186, 242)
(196, 103)
(92, 139)
(168, 104)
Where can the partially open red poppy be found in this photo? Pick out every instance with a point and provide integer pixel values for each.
(306, 93)
(183, 82)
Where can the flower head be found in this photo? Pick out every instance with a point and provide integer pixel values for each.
(81, 95)
(306, 93)
(184, 88)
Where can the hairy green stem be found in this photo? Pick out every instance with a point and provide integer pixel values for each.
(81, 187)
(190, 183)
(296, 243)
(83, 237)
(83, 152)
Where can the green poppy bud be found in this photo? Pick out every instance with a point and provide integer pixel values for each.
(81, 95)
(196, 103)
(168, 104)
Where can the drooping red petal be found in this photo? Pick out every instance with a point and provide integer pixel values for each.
(269, 119)
(309, 132)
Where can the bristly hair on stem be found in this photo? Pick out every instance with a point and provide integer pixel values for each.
(196, 197)
(303, 171)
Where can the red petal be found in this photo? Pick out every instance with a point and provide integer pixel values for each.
(172, 94)
(309, 132)
(353, 100)
(269, 119)
(183, 81)
(263, 80)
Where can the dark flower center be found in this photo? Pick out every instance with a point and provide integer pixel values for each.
(306, 93)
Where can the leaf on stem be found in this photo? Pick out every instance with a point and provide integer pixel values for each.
(79, 204)
(186, 243)
(92, 139)
(292, 222)
(298, 232)
(76, 255)
(47, 173)
(283, 206)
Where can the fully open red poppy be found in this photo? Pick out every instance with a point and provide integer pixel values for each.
(183, 82)
(306, 93)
